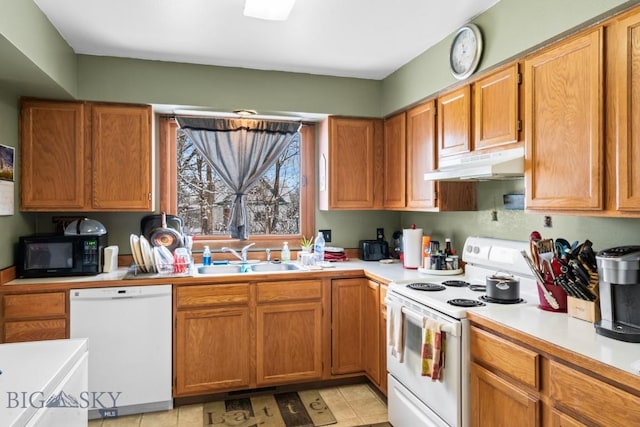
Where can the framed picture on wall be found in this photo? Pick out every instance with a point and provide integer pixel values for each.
(6, 162)
(7, 157)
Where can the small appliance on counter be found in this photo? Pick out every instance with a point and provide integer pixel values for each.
(85, 227)
(619, 286)
(78, 252)
(373, 250)
(396, 244)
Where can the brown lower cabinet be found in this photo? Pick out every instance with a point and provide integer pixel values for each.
(245, 335)
(358, 329)
(519, 380)
(289, 330)
(371, 325)
(34, 316)
(213, 338)
(205, 339)
(347, 320)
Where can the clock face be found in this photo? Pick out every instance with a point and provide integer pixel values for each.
(465, 51)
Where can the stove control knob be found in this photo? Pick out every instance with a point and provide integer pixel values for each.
(476, 249)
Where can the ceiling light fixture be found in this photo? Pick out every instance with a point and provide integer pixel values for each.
(272, 10)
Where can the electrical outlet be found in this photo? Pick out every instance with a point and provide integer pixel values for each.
(380, 233)
(327, 235)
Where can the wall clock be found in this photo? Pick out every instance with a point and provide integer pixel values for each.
(466, 50)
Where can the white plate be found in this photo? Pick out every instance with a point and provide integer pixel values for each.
(147, 255)
(134, 241)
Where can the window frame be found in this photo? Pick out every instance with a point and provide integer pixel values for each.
(168, 189)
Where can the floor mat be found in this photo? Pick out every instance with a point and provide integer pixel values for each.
(301, 409)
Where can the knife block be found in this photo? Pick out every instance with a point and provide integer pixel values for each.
(583, 309)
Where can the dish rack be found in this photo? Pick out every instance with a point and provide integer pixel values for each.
(182, 269)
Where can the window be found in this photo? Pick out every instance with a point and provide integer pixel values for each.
(280, 207)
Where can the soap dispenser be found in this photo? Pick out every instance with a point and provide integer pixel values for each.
(285, 254)
(206, 256)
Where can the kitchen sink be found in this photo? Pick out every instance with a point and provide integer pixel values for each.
(219, 269)
(263, 267)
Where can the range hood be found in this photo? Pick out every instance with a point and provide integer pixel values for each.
(504, 164)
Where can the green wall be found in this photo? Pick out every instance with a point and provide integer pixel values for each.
(223, 88)
(37, 62)
(517, 224)
(35, 58)
(11, 226)
(510, 28)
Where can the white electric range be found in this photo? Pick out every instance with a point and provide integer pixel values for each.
(417, 400)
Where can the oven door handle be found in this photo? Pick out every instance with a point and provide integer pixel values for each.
(451, 328)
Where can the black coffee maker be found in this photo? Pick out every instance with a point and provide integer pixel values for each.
(619, 286)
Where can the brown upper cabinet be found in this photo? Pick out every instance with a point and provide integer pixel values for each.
(121, 157)
(623, 113)
(454, 122)
(421, 155)
(481, 116)
(410, 151)
(395, 161)
(563, 129)
(53, 156)
(350, 163)
(78, 156)
(496, 108)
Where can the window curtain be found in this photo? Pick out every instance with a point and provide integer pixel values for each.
(240, 151)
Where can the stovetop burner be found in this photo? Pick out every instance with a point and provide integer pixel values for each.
(463, 302)
(421, 286)
(455, 283)
(501, 301)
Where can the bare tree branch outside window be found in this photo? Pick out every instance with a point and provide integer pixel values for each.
(204, 200)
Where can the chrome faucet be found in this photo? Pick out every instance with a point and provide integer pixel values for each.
(268, 251)
(243, 252)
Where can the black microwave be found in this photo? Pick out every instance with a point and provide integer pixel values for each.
(54, 255)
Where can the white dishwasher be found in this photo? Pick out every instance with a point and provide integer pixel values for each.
(129, 332)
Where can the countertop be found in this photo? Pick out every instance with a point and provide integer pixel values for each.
(565, 331)
(560, 329)
(34, 367)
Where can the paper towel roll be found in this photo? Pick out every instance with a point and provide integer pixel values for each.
(412, 247)
(110, 259)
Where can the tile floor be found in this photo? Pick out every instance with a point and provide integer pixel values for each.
(352, 405)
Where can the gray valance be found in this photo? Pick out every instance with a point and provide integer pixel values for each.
(240, 151)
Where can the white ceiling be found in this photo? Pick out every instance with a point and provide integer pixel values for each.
(349, 38)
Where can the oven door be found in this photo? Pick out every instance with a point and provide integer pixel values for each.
(440, 401)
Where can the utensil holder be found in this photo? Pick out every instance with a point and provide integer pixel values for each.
(558, 293)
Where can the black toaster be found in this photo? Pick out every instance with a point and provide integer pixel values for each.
(373, 250)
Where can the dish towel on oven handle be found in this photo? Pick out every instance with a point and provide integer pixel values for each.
(395, 330)
(432, 354)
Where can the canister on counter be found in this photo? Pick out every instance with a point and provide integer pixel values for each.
(437, 262)
(455, 263)
(448, 263)
(426, 252)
